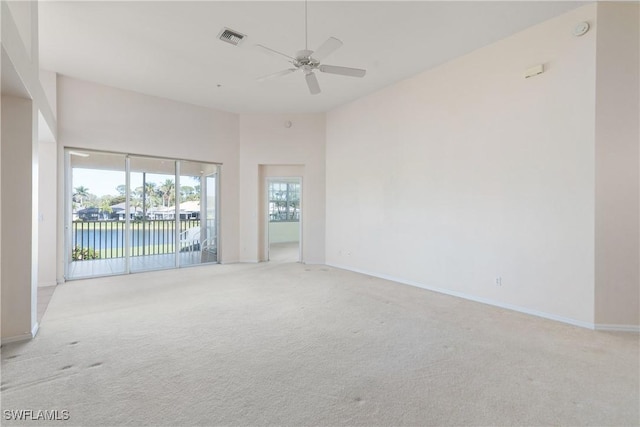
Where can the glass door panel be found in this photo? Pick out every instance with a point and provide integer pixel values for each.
(211, 212)
(152, 199)
(198, 202)
(95, 222)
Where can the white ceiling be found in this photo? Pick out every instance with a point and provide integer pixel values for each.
(170, 48)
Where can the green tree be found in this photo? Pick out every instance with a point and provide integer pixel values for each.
(115, 200)
(105, 204)
(152, 195)
(91, 201)
(81, 194)
(168, 191)
(186, 192)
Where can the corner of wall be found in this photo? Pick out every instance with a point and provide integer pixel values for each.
(617, 166)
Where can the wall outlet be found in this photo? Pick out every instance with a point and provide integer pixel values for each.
(499, 281)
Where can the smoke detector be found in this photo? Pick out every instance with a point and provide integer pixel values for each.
(231, 36)
(581, 29)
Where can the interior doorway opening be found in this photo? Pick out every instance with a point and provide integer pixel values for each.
(284, 219)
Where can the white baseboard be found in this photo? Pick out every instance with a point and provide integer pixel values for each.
(474, 298)
(45, 284)
(21, 337)
(617, 328)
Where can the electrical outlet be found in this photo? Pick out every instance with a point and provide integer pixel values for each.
(499, 281)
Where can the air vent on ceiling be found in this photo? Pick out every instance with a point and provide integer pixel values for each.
(231, 36)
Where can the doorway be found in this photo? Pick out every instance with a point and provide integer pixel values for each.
(284, 219)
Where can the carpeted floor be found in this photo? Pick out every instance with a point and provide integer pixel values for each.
(284, 252)
(290, 344)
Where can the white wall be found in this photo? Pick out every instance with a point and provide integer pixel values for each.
(94, 116)
(21, 11)
(47, 188)
(49, 81)
(19, 230)
(98, 117)
(264, 140)
(284, 232)
(19, 195)
(24, 58)
(617, 162)
(48, 218)
(469, 172)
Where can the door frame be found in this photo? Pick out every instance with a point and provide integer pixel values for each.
(67, 216)
(265, 192)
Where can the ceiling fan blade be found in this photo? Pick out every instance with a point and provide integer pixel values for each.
(312, 82)
(343, 71)
(278, 74)
(327, 48)
(273, 52)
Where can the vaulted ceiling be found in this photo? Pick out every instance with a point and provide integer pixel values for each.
(171, 49)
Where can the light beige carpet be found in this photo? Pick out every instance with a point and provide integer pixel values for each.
(284, 252)
(289, 344)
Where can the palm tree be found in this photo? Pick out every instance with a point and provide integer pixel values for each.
(81, 194)
(151, 194)
(105, 205)
(168, 189)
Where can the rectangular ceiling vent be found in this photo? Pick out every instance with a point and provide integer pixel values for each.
(231, 36)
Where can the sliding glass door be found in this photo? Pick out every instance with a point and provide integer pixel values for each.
(152, 202)
(129, 214)
(95, 227)
(198, 209)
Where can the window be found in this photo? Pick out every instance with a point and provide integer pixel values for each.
(284, 201)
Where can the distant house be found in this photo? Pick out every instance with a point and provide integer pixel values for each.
(118, 212)
(92, 214)
(188, 210)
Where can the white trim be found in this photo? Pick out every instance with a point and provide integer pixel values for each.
(21, 337)
(127, 214)
(35, 329)
(47, 284)
(474, 298)
(68, 213)
(617, 328)
(176, 213)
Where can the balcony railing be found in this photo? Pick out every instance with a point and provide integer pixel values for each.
(107, 238)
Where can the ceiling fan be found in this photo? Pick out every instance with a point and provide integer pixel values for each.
(308, 61)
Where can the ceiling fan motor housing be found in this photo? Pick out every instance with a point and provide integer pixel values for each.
(304, 60)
